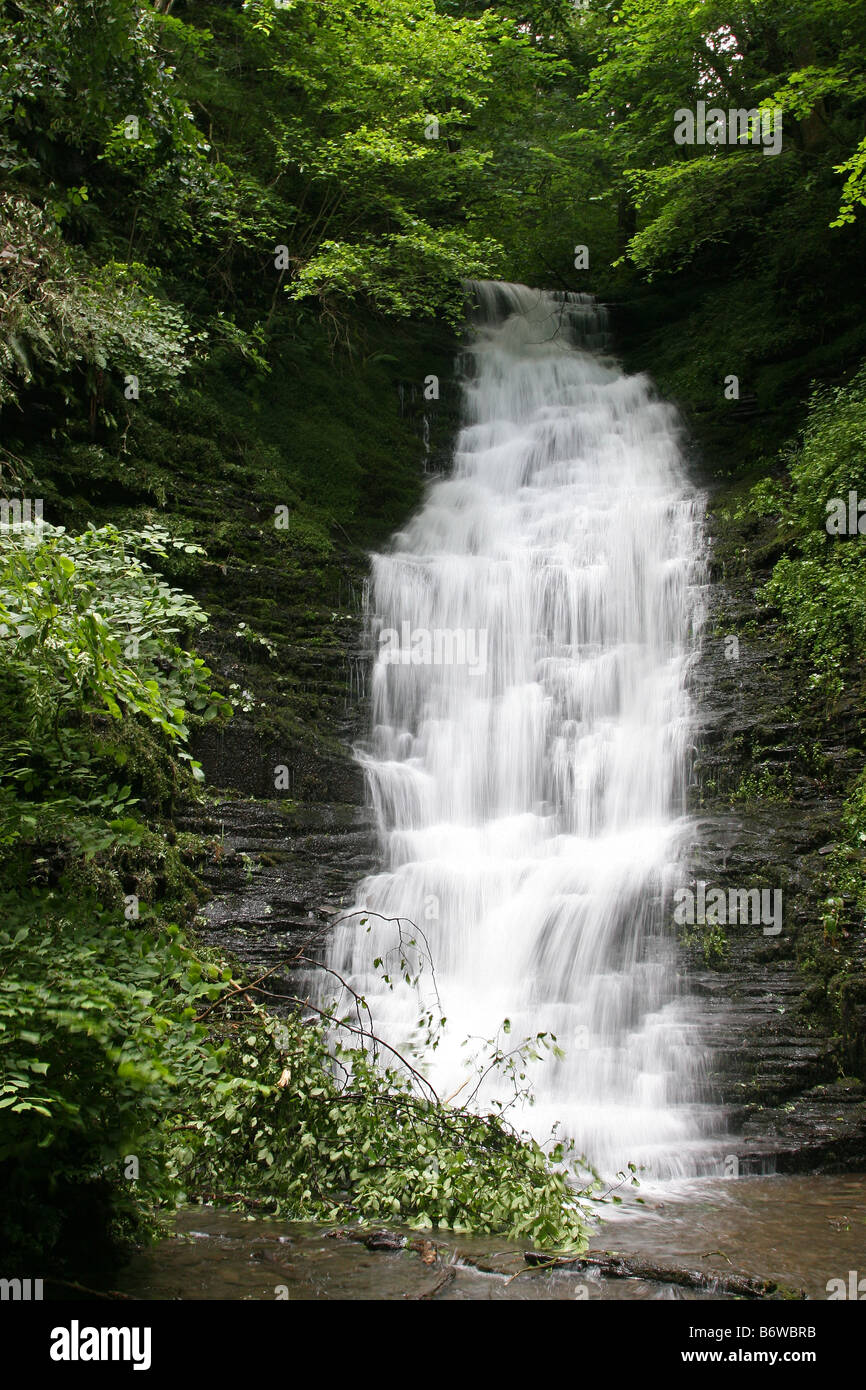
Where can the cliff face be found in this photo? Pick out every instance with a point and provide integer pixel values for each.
(784, 1013)
(285, 815)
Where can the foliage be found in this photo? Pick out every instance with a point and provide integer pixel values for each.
(346, 1137)
(110, 1051)
(106, 1057)
(59, 311)
(377, 141)
(728, 258)
(763, 785)
(405, 274)
(97, 1036)
(87, 629)
(711, 941)
(854, 191)
(846, 877)
(822, 602)
(819, 586)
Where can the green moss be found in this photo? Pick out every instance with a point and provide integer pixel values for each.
(763, 784)
(709, 941)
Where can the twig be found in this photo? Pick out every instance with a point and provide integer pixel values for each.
(359, 1032)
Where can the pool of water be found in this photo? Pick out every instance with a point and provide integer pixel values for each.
(798, 1231)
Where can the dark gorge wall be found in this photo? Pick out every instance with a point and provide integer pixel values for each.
(784, 1013)
(287, 480)
(285, 809)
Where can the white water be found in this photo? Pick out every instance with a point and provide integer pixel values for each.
(531, 808)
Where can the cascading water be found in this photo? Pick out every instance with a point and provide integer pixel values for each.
(529, 753)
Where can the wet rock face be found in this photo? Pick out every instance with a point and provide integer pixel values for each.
(302, 767)
(769, 780)
(820, 1130)
(289, 831)
(286, 863)
(280, 873)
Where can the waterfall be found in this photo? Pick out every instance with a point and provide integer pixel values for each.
(534, 625)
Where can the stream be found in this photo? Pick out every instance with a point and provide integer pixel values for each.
(799, 1231)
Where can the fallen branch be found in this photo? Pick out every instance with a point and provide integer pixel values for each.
(445, 1277)
(614, 1266)
(239, 989)
(84, 1288)
(222, 1198)
(359, 1032)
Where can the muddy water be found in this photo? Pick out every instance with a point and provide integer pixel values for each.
(800, 1231)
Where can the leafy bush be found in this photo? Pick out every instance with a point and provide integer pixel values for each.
(832, 459)
(87, 629)
(97, 1040)
(60, 311)
(822, 601)
(819, 584)
(416, 273)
